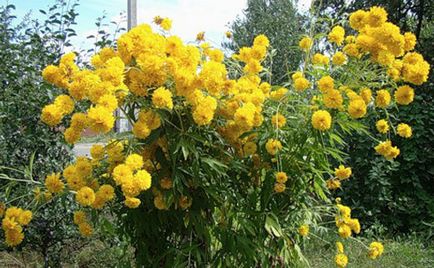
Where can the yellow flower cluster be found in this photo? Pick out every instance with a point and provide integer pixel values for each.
(300, 82)
(12, 224)
(387, 46)
(132, 179)
(84, 227)
(345, 224)
(281, 179)
(386, 149)
(341, 173)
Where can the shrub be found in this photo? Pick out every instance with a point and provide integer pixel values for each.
(221, 168)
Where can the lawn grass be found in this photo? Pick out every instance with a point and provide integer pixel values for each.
(412, 252)
(398, 252)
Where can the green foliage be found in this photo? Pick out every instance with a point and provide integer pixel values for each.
(280, 22)
(399, 194)
(402, 251)
(26, 48)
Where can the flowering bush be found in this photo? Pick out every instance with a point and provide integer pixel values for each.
(221, 167)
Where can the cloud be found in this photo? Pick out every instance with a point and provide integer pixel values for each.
(193, 16)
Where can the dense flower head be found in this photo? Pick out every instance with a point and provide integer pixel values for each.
(382, 126)
(404, 95)
(305, 43)
(404, 130)
(337, 35)
(341, 260)
(342, 172)
(386, 149)
(321, 120)
(375, 250)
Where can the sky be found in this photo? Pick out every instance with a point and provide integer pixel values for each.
(189, 16)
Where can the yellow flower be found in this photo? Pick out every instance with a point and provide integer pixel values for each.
(344, 231)
(357, 19)
(326, 83)
(79, 217)
(249, 148)
(65, 104)
(142, 180)
(321, 120)
(279, 187)
(305, 43)
(333, 184)
(85, 196)
(101, 119)
(244, 115)
(375, 250)
(386, 149)
(14, 237)
(319, 59)
(410, 41)
(340, 247)
(108, 101)
(132, 202)
(273, 146)
(333, 99)
(25, 217)
(404, 130)
(97, 151)
(261, 40)
(366, 95)
(376, 17)
(85, 229)
(228, 35)
(301, 83)
(303, 230)
(134, 162)
(354, 224)
(53, 183)
(281, 177)
(278, 120)
(404, 95)
(159, 202)
(339, 58)
(185, 202)
(382, 126)
(166, 24)
(72, 135)
(337, 35)
(341, 260)
(278, 94)
(383, 98)
(200, 36)
(166, 183)
(51, 115)
(343, 172)
(357, 108)
(162, 98)
(79, 121)
(121, 173)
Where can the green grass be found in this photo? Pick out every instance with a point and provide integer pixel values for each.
(399, 252)
(409, 252)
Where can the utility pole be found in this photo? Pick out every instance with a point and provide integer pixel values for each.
(123, 124)
(132, 13)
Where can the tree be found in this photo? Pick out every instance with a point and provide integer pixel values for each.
(280, 22)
